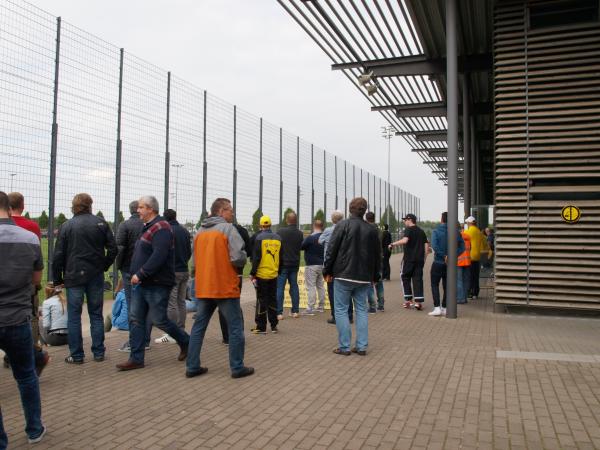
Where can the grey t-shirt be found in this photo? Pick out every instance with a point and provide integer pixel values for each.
(21, 256)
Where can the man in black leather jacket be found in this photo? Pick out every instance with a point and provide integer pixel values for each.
(127, 234)
(353, 259)
(85, 249)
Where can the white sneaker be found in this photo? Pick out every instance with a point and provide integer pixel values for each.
(165, 339)
(437, 311)
(443, 311)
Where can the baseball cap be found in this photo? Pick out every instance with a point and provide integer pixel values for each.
(470, 219)
(410, 217)
(265, 220)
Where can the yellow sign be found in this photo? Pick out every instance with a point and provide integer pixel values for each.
(287, 300)
(571, 214)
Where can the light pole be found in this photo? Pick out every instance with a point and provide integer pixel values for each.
(12, 176)
(177, 166)
(388, 133)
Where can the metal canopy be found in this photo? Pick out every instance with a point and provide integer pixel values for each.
(401, 45)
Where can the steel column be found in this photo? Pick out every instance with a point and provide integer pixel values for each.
(234, 199)
(115, 274)
(325, 185)
(53, 152)
(452, 116)
(298, 179)
(336, 181)
(260, 170)
(167, 154)
(280, 173)
(312, 183)
(466, 148)
(204, 164)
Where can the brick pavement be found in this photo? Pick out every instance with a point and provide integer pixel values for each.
(427, 383)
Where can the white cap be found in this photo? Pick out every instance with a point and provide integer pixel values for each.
(470, 219)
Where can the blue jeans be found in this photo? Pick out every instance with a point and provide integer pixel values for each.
(291, 276)
(462, 283)
(17, 343)
(344, 292)
(151, 301)
(371, 296)
(126, 276)
(93, 290)
(231, 311)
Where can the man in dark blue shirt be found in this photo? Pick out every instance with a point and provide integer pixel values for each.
(313, 270)
(153, 277)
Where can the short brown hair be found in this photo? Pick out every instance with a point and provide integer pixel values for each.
(82, 203)
(4, 206)
(358, 206)
(218, 205)
(16, 201)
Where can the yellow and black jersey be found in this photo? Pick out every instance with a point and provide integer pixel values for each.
(265, 255)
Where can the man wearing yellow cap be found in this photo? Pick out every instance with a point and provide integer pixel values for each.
(265, 269)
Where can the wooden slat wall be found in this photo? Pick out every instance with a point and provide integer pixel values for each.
(547, 111)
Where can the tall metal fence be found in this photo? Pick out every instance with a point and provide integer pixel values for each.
(78, 114)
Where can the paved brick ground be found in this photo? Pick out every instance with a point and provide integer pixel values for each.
(426, 383)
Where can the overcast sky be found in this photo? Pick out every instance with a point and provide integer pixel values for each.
(252, 54)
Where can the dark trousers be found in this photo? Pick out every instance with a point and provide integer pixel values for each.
(266, 303)
(332, 301)
(385, 267)
(438, 273)
(412, 280)
(474, 279)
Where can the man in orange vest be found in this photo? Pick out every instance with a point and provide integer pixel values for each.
(463, 269)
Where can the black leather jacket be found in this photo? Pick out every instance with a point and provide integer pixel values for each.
(354, 251)
(127, 233)
(80, 250)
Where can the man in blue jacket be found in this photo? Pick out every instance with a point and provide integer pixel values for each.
(153, 277)
(439, 244)
(313, 270)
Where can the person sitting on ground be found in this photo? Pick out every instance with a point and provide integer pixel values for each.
(53, 326)
(120, 312)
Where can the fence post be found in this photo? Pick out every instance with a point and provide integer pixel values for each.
(361, 182)
(312, 182)
(336, 181)
(345, 188)
(260, 178)
(298, 178)
(235, 160)
(325, 185)
(115, 274)
(53, 152)
(204, 164)
(280, 173)
(353, 181)
(167, 154)
(369, 189)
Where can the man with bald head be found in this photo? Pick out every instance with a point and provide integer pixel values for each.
(291, 243)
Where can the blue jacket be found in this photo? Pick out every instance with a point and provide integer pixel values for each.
(439, 243)
(153, 258)
(314, 252)
(120, 314)
(183, 246)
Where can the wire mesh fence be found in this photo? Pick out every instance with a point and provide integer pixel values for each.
(79, 114)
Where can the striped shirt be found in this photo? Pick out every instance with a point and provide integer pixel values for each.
(21, 256)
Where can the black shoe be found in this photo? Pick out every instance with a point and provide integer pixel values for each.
(274, 329)
(372, 310)
(245, 372)
(71, 360)
(196, 373)
(258, 331)
(331, 320)
(380, 308)
(358, 352)
(98, 358)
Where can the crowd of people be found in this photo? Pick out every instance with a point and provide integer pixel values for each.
(152, 252)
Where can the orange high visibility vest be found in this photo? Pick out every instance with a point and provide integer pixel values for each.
(464, 259)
